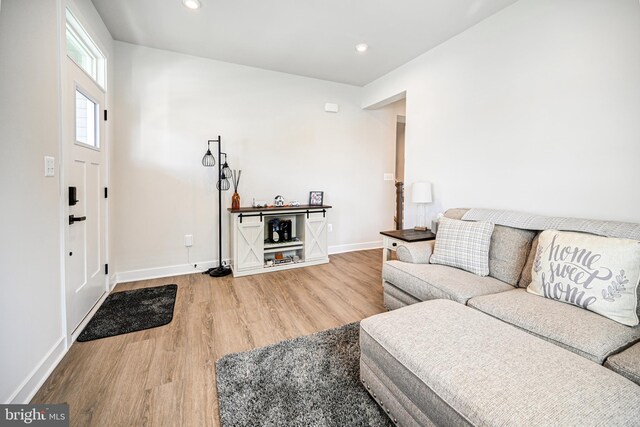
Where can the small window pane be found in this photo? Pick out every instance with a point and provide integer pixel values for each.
(84, 52)
(86, 119)
(77, 52)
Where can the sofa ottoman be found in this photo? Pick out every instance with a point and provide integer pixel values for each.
(441, 363)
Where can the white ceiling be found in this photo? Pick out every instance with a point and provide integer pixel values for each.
(313, 38)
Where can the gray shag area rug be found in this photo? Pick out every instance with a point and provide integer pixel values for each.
(131, 311)
(307, 381)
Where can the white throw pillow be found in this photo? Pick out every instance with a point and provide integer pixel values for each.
(463, 244)
(600, 274)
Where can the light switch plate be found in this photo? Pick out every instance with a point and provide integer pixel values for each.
(388, 177)
(49, 166)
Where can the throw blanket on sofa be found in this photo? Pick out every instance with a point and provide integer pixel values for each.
(625, 230)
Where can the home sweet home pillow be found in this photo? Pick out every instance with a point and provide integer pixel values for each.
(600, 274)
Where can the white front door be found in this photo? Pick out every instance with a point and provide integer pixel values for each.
(85, 169)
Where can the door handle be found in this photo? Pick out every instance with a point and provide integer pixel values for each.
(73, 219)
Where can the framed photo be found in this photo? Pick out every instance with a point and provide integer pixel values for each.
(316, 198)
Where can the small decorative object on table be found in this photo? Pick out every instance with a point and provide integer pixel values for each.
(295, 203)
(278, 201)
(316, 198)
(235, 199)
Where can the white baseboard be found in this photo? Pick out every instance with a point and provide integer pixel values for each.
(181, 269)
(338, 249)
(25, 391)
(158, 272)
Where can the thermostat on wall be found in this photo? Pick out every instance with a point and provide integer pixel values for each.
(331, 108)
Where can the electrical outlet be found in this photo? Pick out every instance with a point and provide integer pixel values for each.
(329, 228)
(188, 240)
(388, 177)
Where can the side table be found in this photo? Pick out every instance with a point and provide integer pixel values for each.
(394, 238)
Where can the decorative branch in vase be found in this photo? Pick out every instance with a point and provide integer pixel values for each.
(235, 199)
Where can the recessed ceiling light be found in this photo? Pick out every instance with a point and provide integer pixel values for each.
(362, 47)
(191, 4)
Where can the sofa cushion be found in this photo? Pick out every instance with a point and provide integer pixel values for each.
(525, 277)
(461, 367)
(455, 213)
(463, 245)
(431, 281)
(626, 363)
(600, 274)
(508, 253)
(583, 332)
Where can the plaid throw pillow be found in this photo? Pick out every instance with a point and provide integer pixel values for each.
(463, 244)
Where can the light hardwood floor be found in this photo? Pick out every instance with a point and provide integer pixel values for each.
(166, 375)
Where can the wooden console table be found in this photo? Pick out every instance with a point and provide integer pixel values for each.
(251, 253)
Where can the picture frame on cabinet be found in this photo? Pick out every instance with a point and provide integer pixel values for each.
(316, 198)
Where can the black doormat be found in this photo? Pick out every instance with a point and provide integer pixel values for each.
(131, 311)
(306, 381)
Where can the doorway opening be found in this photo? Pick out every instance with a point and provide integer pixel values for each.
(398, 104)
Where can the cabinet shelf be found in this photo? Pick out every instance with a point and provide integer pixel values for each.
(283, 248)
(283, 245)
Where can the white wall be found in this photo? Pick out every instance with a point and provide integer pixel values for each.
(273, 126)
(30, 300)
(536, 109)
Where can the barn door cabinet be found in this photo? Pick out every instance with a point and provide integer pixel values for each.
(254, 251)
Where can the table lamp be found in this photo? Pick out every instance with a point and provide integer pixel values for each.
(421, 195)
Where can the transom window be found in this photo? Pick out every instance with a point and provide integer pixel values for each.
(84, 52)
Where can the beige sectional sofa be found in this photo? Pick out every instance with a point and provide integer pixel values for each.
(460, 349)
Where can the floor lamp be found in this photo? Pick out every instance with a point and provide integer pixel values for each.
(224, 173)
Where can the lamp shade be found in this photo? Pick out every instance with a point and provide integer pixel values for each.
(421, 192)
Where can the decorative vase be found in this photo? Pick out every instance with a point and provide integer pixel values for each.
(235, 201)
